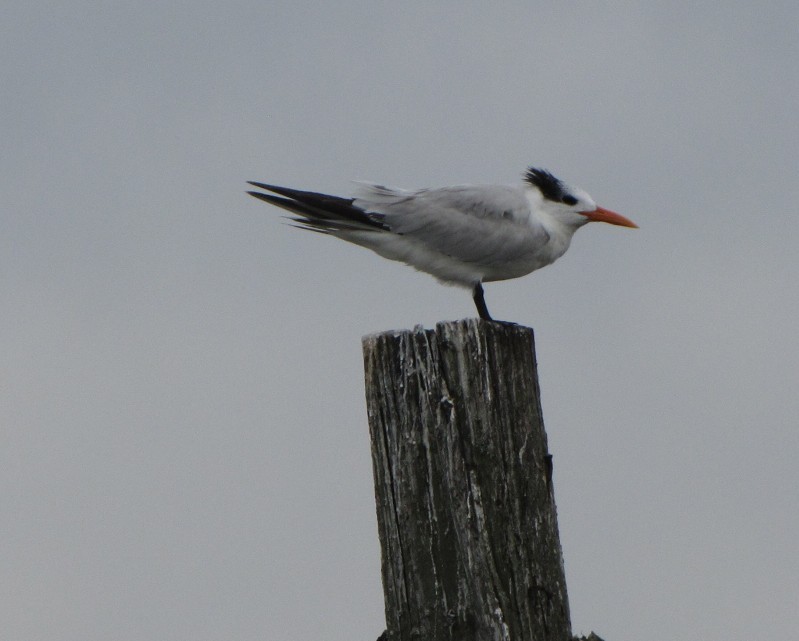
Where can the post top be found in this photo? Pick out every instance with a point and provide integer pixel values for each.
(465, 326)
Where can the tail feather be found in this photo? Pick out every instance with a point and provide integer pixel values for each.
(319, 212)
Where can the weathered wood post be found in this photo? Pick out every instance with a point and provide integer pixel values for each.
(465, 509)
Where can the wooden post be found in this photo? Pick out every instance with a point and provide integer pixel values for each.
(465, 509)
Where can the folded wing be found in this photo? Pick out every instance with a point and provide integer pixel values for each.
(486, 224)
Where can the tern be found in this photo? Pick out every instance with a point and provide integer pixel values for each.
(464, 235)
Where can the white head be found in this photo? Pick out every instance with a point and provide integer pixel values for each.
(569, 205)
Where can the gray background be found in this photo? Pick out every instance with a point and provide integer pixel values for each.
(184, 443)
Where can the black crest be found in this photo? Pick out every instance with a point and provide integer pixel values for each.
(550, 187)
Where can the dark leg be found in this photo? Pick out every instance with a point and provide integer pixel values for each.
(480, 301)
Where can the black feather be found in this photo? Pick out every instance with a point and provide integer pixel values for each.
(550, 187)
(319, 211)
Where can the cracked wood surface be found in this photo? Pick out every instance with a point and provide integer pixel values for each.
(465, 509)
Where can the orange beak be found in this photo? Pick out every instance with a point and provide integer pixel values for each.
(601, 215)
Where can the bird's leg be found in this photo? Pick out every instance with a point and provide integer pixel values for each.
(480, 302)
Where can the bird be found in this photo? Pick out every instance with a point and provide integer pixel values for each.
(463, 235)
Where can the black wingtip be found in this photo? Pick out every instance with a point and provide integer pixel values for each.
(266, 197)
(284, 203)
(260, 185)
(327, 211)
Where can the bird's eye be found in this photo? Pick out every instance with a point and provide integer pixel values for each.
(569, 200)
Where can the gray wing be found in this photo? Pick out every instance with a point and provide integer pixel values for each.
(483, 224)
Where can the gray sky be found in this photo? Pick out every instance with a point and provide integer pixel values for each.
(185, 453)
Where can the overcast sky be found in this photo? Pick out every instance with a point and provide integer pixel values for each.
(184, 452)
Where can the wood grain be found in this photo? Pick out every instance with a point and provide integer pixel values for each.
(465, 508)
